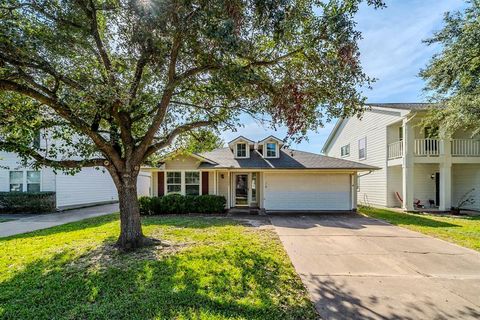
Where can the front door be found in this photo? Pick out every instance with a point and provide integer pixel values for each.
(241, 190)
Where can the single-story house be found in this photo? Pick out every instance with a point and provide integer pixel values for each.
(264, 175)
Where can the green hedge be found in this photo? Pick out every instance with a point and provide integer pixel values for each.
(27, 202)
(178, 204)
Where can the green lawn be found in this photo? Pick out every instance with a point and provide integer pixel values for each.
(462, 230)
(214, 269)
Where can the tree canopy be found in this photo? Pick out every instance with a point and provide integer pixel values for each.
(453, 75)
(115, 81)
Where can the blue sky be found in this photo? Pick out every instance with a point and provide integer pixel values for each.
(391, 51)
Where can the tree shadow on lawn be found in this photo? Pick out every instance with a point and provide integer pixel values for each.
(400, 218)
(85, 224)
(201, 281)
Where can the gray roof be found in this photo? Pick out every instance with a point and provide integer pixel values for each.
(416, 106)
(288, 159)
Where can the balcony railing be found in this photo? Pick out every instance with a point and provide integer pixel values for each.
(465, 148)
(427, 147)
(395, 150)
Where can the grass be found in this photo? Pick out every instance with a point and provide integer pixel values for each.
(461, 230)
(5, 220)
(215, 268)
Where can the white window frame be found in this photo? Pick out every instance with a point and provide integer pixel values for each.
(173, 184)
(247, 150)
(365, 149)
(347, 148)
(10, 180)
(185, 184)
(266, 149)
(24, 179)
(39, 181)
(182, 183)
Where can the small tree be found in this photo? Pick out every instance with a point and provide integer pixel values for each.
(453, 75)
(116, 81)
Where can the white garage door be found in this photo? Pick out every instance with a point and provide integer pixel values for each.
(89, 186)
(144, 184)
(307, 191)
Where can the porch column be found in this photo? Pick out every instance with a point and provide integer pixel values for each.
(408, 166)
(446, 175)
(354, 191)
(229, 188)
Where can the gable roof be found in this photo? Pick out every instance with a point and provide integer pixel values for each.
(414, 106)
(409, 106)
(241, 138)
(280, 141)
(288, 159)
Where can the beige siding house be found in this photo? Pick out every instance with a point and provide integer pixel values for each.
(417, 168)
(262, 175)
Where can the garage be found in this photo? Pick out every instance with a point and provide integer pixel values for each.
(307, 191)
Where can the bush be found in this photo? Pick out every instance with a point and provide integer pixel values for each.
(27, 202)
(178, 204)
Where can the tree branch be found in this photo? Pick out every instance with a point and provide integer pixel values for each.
(33, 154)
(168, 139)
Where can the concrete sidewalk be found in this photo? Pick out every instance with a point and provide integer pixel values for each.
(360, 268)
(43, 221)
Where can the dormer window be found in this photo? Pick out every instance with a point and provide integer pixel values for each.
(241, 150)
(271, 150)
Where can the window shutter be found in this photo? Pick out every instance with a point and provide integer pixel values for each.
(161, 183)
(204, 182)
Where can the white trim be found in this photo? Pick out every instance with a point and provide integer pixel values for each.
(265, 151)
(24, 179)
(182, 181)
(247, 150)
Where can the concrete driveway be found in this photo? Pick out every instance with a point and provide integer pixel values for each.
(28, 223)
(360, 268)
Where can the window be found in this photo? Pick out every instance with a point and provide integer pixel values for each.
(271, 150)
(241, 150)
(174, 182)
(192, 183)
(254, 187)
(362, 148)
(16, 181)
(345, 150)
(36, 140)
(33, 181)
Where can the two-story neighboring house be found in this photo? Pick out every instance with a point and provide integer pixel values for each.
(90, 186)
(417, 167)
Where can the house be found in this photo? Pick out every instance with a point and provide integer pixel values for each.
(263, 174)
(416, 165)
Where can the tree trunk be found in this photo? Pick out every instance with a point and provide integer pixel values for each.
(131, 236)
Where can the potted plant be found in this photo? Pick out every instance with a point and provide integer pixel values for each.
(466, 199)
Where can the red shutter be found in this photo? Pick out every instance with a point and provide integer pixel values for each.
(204, 182)
(161, 183)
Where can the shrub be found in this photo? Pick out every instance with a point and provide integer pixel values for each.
(178, 204)
(27, 202)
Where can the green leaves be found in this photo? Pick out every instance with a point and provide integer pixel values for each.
(114, 72)
(453, 75)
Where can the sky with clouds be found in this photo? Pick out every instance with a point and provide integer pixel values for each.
(391, 51)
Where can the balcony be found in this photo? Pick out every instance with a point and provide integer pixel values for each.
(395, 150)
(465, 148)
(427, 148)
(434, 148)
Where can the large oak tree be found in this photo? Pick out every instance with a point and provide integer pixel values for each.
(453, 75)
(116, 81)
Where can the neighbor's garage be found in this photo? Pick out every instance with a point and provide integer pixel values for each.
(307, 191)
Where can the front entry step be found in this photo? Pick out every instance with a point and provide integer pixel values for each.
(246, 210)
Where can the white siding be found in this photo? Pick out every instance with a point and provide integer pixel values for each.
(307, 191)
(10, 162)
(394, 184)
(464, 178)
(182, 163)
(424, 185)
(89, 186)
(373, 126)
